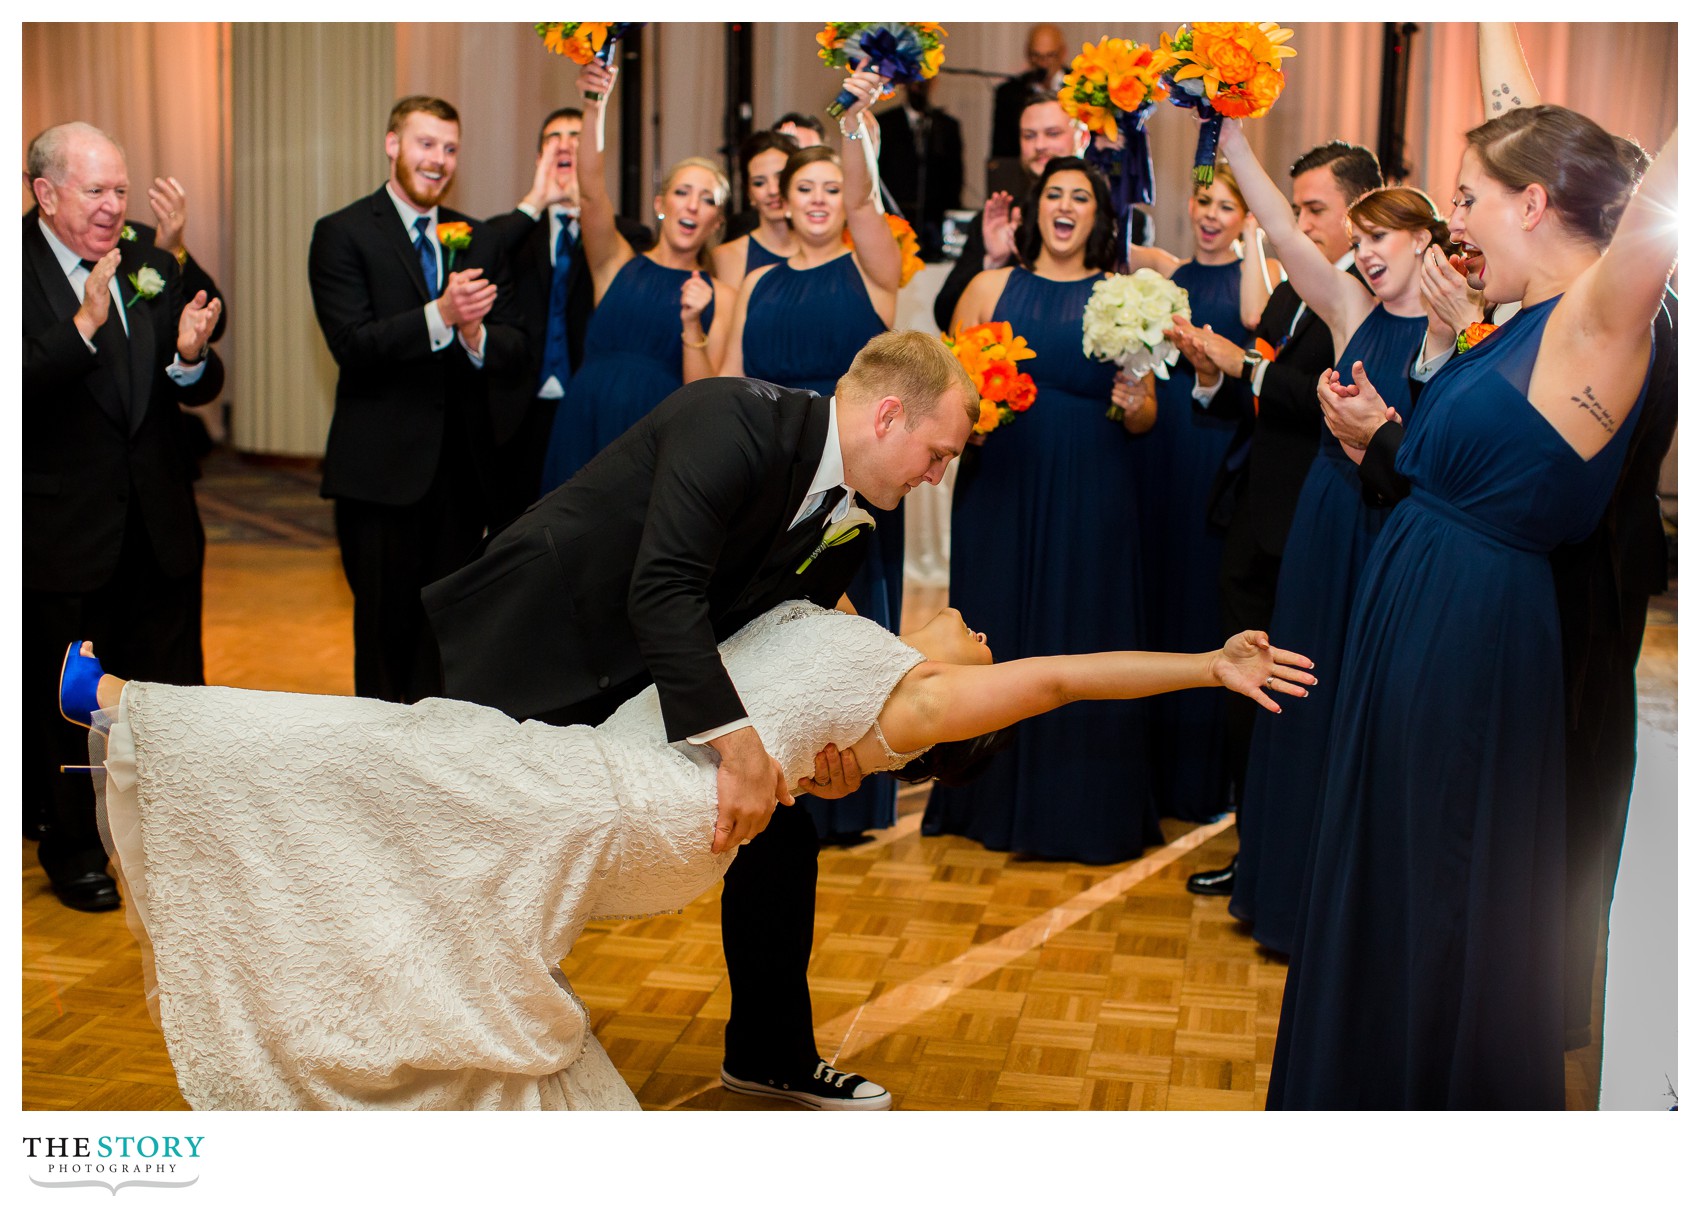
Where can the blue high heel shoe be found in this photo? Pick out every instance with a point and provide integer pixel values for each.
(78, 678)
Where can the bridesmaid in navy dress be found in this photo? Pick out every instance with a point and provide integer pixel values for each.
(654, 327)
(800, 323)
(1045, 546)
(761, 159)
(1177, 464)
(1427, 968)
(1334, 528)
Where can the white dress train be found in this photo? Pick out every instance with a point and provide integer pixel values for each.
(347, 903)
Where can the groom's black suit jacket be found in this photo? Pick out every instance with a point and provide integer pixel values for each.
(669, 540)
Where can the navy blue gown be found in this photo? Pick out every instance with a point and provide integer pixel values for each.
(1332, 533)
(1045, 559)
(1428, 965)
(1177, 463)
(757, 255)
(633, 359)
(802, 329)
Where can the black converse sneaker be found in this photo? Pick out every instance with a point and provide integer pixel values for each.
(827, 1089)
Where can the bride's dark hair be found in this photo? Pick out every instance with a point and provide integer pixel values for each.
(956, 762)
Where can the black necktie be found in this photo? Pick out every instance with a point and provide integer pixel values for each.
(112, 343)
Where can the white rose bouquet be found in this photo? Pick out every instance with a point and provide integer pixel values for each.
(1125, 319)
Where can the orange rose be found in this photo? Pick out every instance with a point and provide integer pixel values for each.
(1023, 393)
(1234, 63)
(1127, 93)
(997, 380)
(989, 417)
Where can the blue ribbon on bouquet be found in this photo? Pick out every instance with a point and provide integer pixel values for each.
(895, 53)
(1209, 130)
(605, 56)
(1128, 167)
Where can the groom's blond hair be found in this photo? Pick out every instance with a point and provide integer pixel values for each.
(913, 366)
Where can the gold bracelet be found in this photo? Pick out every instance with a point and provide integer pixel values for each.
(182, 256)
(702, 344)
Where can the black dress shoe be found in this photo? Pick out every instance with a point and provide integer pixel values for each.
(1214, 883)
(91, 892)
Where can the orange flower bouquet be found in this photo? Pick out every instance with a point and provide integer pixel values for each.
(1223, 69)
(900, 51)
(582, 41)
(1112, 88)
(989, 352)
(907, 242)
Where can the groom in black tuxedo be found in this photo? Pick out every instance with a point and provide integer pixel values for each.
(696, 520)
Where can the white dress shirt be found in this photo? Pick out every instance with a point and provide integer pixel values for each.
(76, 273)
(828, 478)
(441, 333)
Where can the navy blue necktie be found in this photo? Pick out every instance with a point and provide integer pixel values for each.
(427, 254)
(556, 363)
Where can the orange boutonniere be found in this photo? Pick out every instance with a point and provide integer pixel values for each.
(1474, 335)
(907, 242)
(455, 238)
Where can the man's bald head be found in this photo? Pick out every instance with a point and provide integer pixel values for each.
(82, 185)
(1045, 48)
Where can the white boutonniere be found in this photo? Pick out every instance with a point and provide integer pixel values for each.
(148, 282)
(840, 532)
(129, 233)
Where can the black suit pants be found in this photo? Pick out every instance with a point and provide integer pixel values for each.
(390, 553)
(1247, 584)
(767, 923)
(144, 625)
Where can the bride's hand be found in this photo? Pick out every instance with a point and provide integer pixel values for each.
(596, 77)
(1249, 665)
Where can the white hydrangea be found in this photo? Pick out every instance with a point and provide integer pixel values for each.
(1125, 319)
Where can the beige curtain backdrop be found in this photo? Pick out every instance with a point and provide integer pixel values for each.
(307, 105)
(309, 111)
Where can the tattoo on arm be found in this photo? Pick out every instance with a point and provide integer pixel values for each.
(1504, 90)
(1595, 409)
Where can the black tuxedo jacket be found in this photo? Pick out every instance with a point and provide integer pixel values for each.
(664, 544)
(901, 170)
(524, 242)
(99, 429)
(395, 398)
(1008, 100)
(1272, 450)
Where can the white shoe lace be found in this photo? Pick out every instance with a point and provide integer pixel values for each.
(833, 1077)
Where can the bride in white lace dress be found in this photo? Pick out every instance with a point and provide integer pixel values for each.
(347, 903)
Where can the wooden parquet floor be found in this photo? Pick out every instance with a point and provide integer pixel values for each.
(961, 978)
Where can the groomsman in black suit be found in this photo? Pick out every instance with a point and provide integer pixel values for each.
(112, 540)
(1258, 485)
(699, 518)
(921, 163)
(552, 296)
(418, 331)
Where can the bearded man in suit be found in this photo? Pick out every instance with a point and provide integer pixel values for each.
(418, 327)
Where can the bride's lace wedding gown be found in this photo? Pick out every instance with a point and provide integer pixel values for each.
(347, 903)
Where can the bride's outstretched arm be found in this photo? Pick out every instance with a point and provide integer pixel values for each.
(939, 702)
